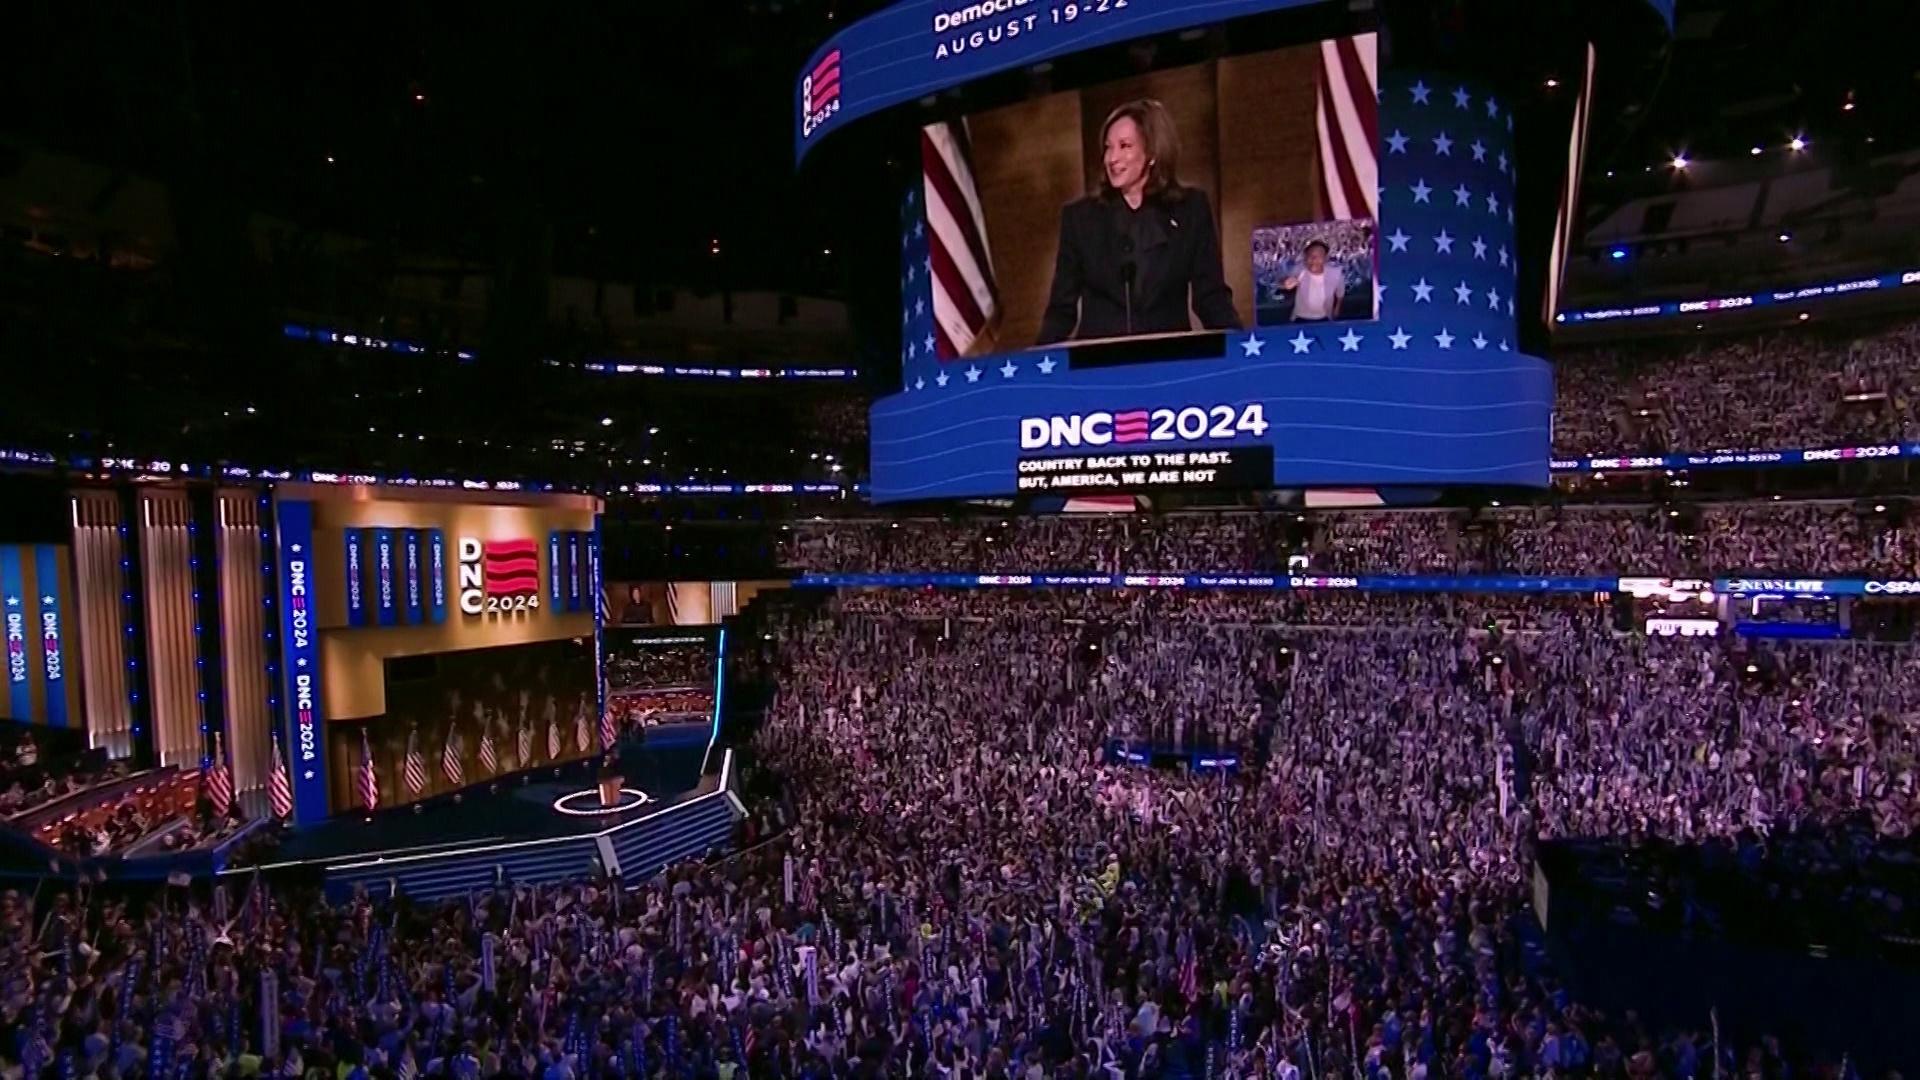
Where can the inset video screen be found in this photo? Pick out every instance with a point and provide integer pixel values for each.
(1263, 270)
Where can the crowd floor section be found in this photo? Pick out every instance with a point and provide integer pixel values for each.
(1809, 586)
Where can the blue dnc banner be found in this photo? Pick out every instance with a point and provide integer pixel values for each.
(917, 47)
(13, 622)
(52, 633)
(386, 600)
(300, 664)
(414, 592)
(356, 577)
(437, 575)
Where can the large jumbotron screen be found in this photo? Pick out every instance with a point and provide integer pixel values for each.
(1287, 267)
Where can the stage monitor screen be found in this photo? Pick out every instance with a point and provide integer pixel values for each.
(1264, 270)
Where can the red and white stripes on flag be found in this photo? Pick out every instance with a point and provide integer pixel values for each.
(582, 734)
(219, 780)
(489, 757)
(414, 769)
(525, 741)
(450, 764)
(280, 785)
(609, 733)
(1349, 128)
(553, 739)
(369, 780)
(966, 298)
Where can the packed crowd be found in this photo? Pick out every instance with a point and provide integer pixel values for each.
(1699, 540)
(1801, 388)
(967, 888)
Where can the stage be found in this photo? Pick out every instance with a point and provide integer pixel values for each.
(535, 827)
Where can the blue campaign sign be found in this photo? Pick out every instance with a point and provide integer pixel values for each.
(52, 633)
(415, 592)
(300, 664)
(13, 620)
(553, 570)
(437, 575)
(386, 599)
(918, 47)
(356, 577)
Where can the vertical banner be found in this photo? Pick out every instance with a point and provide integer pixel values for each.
(414, 591)
(13, 622)
(385, 602)
(300, 663)
(437, 575)
(270, 1014)
(356, 577)
(576, 565)
(52, 633)
(599, 622)
(553, 570)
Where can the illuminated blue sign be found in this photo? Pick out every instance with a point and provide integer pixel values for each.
(13, 621)
(300, 664)
(437, 575)
(356, 578)
(411, 539)
(386, 600)
(53, 661)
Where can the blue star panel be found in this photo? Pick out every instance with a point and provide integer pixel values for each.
(1433, 391)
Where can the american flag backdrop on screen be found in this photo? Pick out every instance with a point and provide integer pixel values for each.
(414, 770)
(219, 780)
(1348, 123)
(280, 785)
(609, 734)
(369, 780)
(966, 298)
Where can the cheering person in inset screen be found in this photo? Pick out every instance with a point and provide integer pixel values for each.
(1316, 291)
(1141, 249)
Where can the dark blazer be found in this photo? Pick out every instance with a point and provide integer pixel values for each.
(1181, 257)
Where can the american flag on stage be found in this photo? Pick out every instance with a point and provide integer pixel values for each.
(553, 738)
(450, 765)
(609, 734)
(958, 264)
(280, 785)
(218, 780)
(414, 770)
(525, 741)
(369, 780)
(489, 757)
(1348, 121)
(582, 733)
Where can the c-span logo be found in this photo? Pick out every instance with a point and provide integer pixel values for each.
(498, 576)
(820, 94)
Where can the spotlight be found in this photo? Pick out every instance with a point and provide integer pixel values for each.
(1755, 151)
(1785, 236)
(1797, 144)
(1680, 161)
(1617, 254)
(1553, 84)
(1804, 316)
(606, 421)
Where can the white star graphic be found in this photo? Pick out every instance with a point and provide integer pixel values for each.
(919, 229)
(1462, 294)
(1509, 305)
(973, 374)
(1443, 145)
(1007, 369)
(942, 378)
(1479, 248)
(1300, 342)
(1379, 291)
(1461, 196)
(296, 549)
(1479, 150)
(1350, 341)
(913, 350)
(919, 384)
(308, 775)
(1493, 203)
(1493, 108)
(1396, 142)
(46, 601)
(929, 266)
(1443, 339)
(1503, 161)
(302, 662)
(1399, 337)
(1460, 98)
(13, 601)
(1421, 191)
(1420, 92)
(919, 307)
(1398, 241)
(1252, 346)
(1046, 365)
(1422, 292)
(1509, 215)
(1443, 243)
(1503, 344)
(1493, 299)
(909, 275)
(1479, 341)
(1503, 254)
(929, 342)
